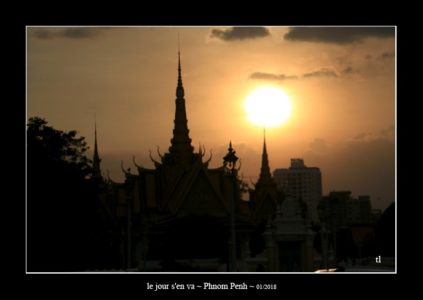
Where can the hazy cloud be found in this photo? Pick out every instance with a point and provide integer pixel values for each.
(44, 34)
(362, 135)
(381, 57)
(386, 55)
(239, 33)
(337, 35)
(319, 145)
(388, 133)
(270, 76)
(323, 72)
(350, 71)
(70, 33)
(343, 60)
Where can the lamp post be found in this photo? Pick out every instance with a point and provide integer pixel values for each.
(129, 212)
(334, 228)
(324, 238)
(321, 209)
(129, 185)
(229, 162)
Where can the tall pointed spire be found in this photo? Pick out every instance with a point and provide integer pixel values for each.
(179, 89)
(265, 190)
(265, 169)
(96, 157)
(181, 150)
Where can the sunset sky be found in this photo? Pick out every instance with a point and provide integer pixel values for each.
(340, 81)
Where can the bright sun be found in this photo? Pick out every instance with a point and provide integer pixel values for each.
(268, 106)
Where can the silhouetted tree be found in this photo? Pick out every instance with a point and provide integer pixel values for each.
(60, 206)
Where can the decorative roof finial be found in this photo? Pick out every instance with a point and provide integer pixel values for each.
(180, 88)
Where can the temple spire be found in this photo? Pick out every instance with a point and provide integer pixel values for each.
(179, 89)
(265, 169)
(181, 150)
(96, 157)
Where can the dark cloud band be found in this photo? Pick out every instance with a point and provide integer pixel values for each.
(321, 73)
(270, 76)
(70, 33)
(337, 35)
(239, 33)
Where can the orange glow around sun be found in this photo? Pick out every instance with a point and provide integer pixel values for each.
(268, 106)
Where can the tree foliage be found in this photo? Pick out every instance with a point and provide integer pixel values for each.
(60, 206)
(57, 148)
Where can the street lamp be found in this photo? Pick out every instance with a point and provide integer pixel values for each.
(129, 186)
(321, 209)
(229, 161)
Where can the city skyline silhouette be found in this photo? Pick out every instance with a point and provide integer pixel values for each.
(177, 189)
(355, 133)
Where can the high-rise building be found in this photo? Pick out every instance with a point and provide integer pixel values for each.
(348, 221)
(341, 209)
(334, 209)
(302, 182)
(359, 211)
